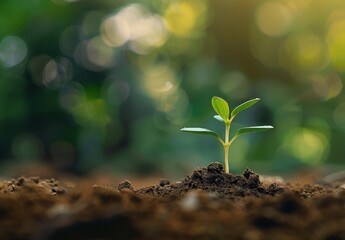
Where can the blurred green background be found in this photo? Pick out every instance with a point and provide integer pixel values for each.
(90, 85)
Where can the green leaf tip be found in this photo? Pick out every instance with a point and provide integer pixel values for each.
(244, 106)
(198, 130)
(253, 129)
(221, 107)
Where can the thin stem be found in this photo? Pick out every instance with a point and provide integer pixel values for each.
(226, 147)
(226, 159)
(227, 132)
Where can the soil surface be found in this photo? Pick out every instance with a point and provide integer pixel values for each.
(207, 204)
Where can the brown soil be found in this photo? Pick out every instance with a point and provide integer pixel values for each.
(207, 204)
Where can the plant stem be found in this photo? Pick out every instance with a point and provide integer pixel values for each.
(226, 160)
(227, 131)
(226, 147)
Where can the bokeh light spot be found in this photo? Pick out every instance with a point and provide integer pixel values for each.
(273, 18)
(149, 32)
(115, 31)
(13, 51)
(72, 96)
(93, 112)
(57, 73)
(159, 79)
(326, 86)
(336, 43)
(86, 112)
(303, 52)
(181, 17)
(99, 53)
(36, 67)
(134, 24)
(50, 72)
(309, 50)
(307, 145)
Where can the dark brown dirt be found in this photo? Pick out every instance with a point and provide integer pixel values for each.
(214, 180)
(207, 204)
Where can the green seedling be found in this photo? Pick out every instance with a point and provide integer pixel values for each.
(222, 109)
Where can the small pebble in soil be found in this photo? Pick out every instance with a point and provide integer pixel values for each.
(197, 175)
(11, 188)
(248, 172)
(275, 188)
(58, 190)
(20, 181)
(125, 185)
(35, 179)
(164, 182)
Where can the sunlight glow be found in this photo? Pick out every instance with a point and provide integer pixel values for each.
(136, 26)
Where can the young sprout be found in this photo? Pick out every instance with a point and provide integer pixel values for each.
(222, 109)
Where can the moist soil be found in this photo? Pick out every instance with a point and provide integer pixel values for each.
(207, 204)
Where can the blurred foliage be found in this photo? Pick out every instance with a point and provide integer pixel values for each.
(108, 84)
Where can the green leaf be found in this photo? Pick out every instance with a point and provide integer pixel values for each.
(244, 106)
(219, 118)
(221, 107)
(203, 131)
(253, 129)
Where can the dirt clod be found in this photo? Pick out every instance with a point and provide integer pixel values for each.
(164, 182)
(125, 185)
(58, 190)
(215, 168)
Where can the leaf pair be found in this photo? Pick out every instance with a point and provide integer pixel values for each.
(205, 131)
(222, 108)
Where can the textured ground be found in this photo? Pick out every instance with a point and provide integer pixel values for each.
(207, 204)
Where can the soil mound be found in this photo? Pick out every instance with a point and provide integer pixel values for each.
(213, 179)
